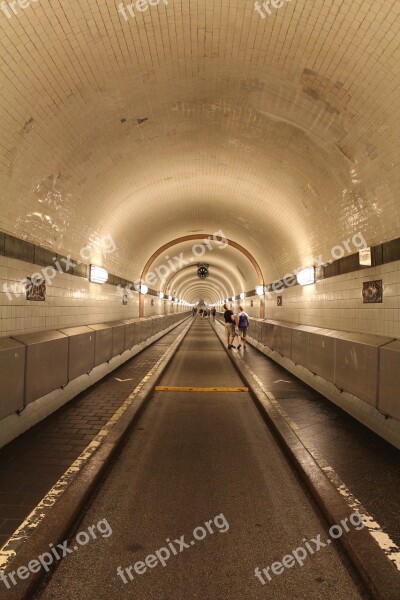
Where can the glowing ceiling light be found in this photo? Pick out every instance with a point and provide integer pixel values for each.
(143, 288)
(97, 274)
(161, 295)
(242, 296)
(306, 276)
(260, 290)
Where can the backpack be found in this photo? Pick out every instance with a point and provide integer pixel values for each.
(243, 320)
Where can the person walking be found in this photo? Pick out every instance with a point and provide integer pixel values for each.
(243, 322)
(229, 320)
(213, 313)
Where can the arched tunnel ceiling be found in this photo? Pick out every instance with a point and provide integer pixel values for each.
(194, 117)
(175, 269)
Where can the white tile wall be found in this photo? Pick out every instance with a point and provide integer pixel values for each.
(336, 303)
(160, 308)
(70, 301)
(252, 311)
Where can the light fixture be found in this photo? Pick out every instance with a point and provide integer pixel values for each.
(260, 290)
(170, 298)
(161, 295)
(365, 257)
(143, 288)
(306, 276)
(242, 296)
(97, 274)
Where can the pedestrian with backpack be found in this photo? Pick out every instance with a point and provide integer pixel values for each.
(243, 325)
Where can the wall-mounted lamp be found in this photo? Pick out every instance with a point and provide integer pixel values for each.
(306, 276)
(260, 290)
(170, 298)
(242, 296)
(97, 274)
(143, 288)
(161, 295)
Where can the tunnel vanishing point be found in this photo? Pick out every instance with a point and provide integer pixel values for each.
(199, 299)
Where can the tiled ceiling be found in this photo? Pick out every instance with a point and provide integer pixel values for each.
(174, 272)
(199, 115)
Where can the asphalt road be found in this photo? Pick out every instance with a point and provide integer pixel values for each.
(202, 460)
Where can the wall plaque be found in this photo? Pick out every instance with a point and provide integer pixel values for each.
(35, 289)
(372, 292)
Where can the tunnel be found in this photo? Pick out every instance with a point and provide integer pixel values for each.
(199, 299)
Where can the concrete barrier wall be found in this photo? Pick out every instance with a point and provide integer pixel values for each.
(366, 366)
(35, 364)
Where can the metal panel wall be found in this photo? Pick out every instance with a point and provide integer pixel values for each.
(46, 363)
(159, 323)
(103, 343)
(154, 325)
(118, 333)
(146, 328)
(255, 329)
(356, 364)
(139, 331)
(300, 339)
(163, 323)
(321, 353)
(12, 376)
(153, 330)
(264, 333)
(129, 333)
(389, 380)
(80, 350)
(273, 335)
(285, 338)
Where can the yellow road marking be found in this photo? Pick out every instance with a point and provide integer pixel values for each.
(166, 388)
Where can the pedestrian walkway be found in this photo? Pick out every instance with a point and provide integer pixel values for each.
(33, 463)
(363, 466)
(201, 473)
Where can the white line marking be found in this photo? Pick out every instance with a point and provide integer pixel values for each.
(21, 534)
(385, 542)
(391, 550)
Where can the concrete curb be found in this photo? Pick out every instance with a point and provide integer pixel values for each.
(376, 571)
(56, 526)
(387, 428)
